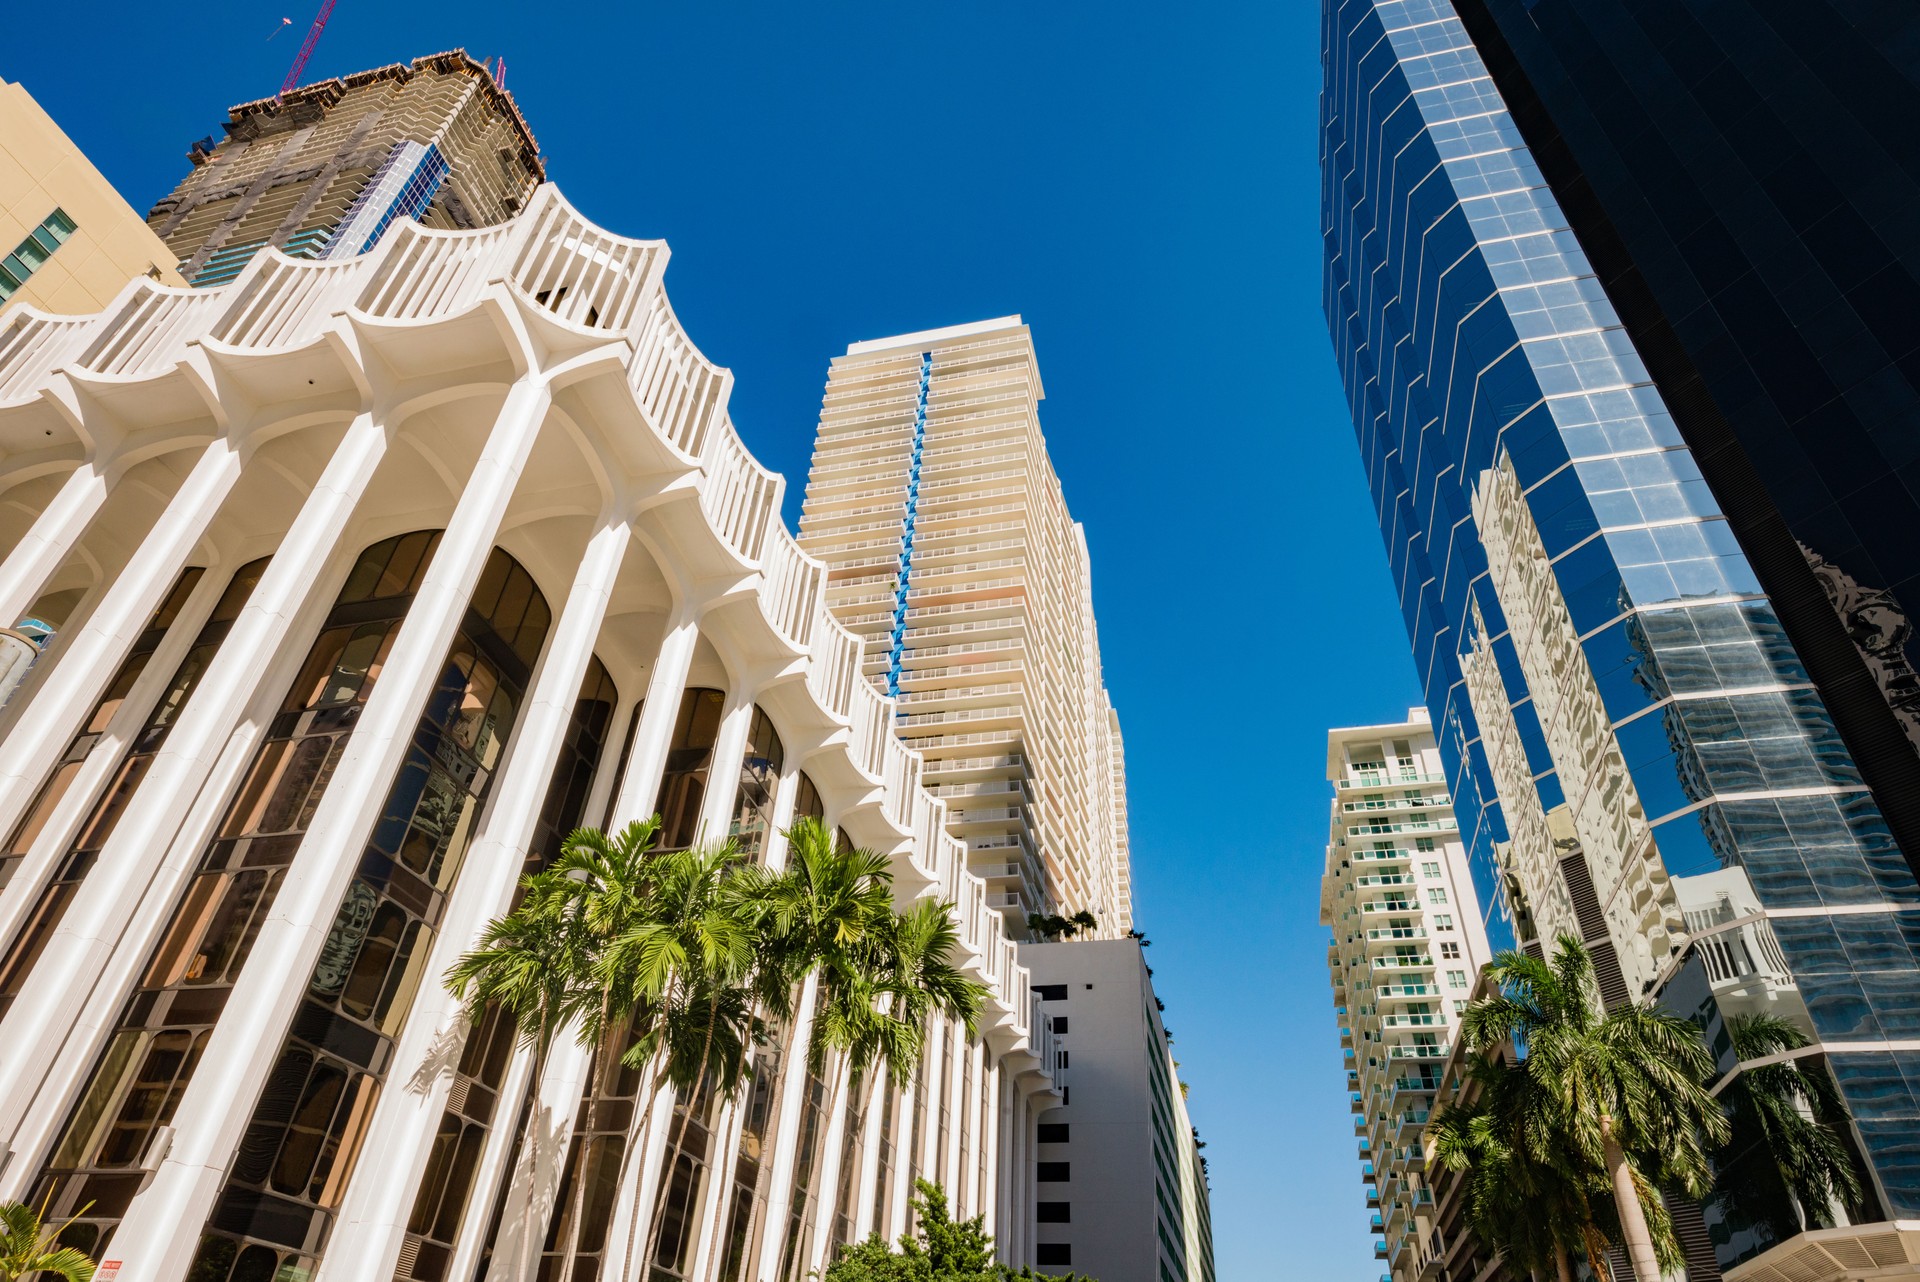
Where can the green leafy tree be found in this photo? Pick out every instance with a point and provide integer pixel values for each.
(1786, 1162)
(939, 1249)
(1621, 1095)
(28, 1248)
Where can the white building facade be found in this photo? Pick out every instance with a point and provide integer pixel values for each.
(1408, 942)
(934, 504)
(369, 579)
(1120, 1188)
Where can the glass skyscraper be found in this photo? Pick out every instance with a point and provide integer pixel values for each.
(1641, 754)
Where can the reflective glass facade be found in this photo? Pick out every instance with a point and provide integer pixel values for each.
(1637, 752)
(1744, 176)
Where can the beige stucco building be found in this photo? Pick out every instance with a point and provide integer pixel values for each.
(68, 241)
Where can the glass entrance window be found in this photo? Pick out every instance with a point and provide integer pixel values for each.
(683, 784)
(373, 961)
(761, 765)
(187, 980)
(53, 901)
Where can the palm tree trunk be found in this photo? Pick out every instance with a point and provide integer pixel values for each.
(525, 1271)
(658, 1220)
(1626, 1197)
(636, 1153)
(1562, 1266)
(578, 1193)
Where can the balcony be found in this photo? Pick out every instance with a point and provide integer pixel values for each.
(1385, 879)
(1386, 779)
(1379, 1250)
(1437, 1051)
(1408, 1124)
(1387, 934)
(1425, 1084)
(1395, 856)
(1366, 1172)
(1390, 906)
(1414, 1021)
(1414, 961)
(1405, 992)
(1385, 828)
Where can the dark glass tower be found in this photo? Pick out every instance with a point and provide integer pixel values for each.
(1744, 176)
(1648, 743)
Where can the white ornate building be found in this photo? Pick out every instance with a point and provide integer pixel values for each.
(368, 579)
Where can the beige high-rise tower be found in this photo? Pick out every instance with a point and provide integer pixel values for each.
(935, 506)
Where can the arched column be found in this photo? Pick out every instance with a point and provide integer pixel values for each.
(58, 1023)
(90, 656)
(24, 574)
(368, 1235)
(160, 1230)
(558, 1099)
(62, 823)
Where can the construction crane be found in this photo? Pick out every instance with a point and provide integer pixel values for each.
(306, 50)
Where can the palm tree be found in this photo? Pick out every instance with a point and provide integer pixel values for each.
(530, 964)
(1537, 1213)
(696, 951)
(1621, 1093)
(27, 1248)
(1787, 1116)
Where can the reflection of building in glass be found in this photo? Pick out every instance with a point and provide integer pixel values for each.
(1407, 943)
(1637, 741)
(1741, 177)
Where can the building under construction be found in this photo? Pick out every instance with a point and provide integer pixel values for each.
(323, 170)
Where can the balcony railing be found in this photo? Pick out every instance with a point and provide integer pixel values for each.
(1397, 932)
(1420, 962)
(1436, 1051)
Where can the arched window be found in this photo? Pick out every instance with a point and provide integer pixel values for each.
(99, 824)
(683, 785)
(760, 767)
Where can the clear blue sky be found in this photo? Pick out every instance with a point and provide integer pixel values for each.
(1140, 182)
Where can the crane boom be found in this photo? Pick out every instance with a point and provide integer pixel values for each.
(306, 49)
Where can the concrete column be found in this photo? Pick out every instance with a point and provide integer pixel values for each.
(783, 799)
(928, 1159)
(569, 1063)
(73, 995)
(716, 814)
(874, 1091)
(976, 1128)
(497, 1157)
(161, 1228)
(989, 1134)
(904, 1164)
(723, 775)
(43, 858)
(956, 1089)
(493, 1168)
(639, 791)
(826, 1178)
(87, 658)
(367, 1237)
(1005, 1224)
(24, 574)
(792, 1092)
(709, 1247)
